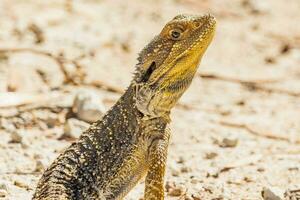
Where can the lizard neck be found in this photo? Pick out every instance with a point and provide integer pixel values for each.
(130, 98)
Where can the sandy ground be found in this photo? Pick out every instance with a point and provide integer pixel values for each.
(233, 133)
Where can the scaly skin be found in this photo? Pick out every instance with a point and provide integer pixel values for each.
(131, 141)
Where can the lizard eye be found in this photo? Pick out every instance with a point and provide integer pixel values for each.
(175, 34)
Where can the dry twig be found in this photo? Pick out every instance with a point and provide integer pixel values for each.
(13, 99)
(21, 173)
(252, 84)
(256, 132)
(58, 59)
(105, 86)
(236, 80)
(241, 162)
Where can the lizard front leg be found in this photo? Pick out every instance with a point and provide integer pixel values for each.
(157, 157)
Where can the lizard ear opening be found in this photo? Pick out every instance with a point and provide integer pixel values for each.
(149, 71)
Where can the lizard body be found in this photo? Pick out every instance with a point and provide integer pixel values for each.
(131, 140)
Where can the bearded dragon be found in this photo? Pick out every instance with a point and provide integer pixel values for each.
(131, 140)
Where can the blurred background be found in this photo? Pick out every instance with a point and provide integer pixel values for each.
(235, 132)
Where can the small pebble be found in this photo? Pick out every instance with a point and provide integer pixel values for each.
(3, 193)
(211, 155)
(88, 106)
(256, 6)
(39, 166)
(175, 172)
(187, 197)
(228, 143)
(176, 191)
(195, 181)
(73, 128)
(185, 169)
(212, 172)
(3, 190)
(7, 125)
(260, 169)
(270, 194)
(15, 137)
(196, 197)
(3, 186)
(51, 120)
(21, 185)
(181, 160)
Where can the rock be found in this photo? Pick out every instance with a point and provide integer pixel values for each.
(175, 172)
(88, 107)
(3, 186)
(212, 172)
(211, 155)
(15, 137)
(7, 125)
(228, 143)
(196, 197)
(195, 181)
(73, 128)
(256, 6)
(3, 190)
(39, 166)
(25, 143)
(3, 193)
(285, 48)
(51, 120)
(270, 60)
(21, 185)
(37, 156)
(187, 197)
(175, 190)
(261, 169)
(270, 194)
(37, 32)
(180, 160)
(185, 169)
(175, 169)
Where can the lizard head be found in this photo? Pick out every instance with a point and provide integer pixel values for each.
(167, 65)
